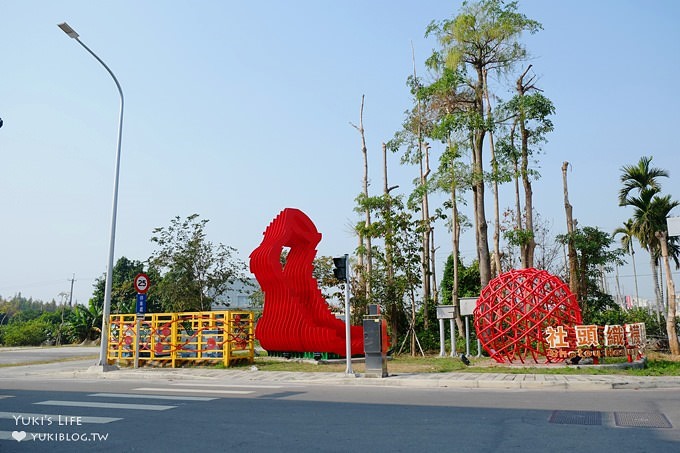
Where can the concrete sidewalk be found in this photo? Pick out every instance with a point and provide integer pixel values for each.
(413, 380)
(84, 369)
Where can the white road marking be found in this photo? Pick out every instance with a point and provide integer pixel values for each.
(245, 386)
(167, 389)
(145, 407)
(153, 397)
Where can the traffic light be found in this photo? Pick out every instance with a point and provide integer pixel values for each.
(340, 270)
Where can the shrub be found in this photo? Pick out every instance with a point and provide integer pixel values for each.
(30, 333)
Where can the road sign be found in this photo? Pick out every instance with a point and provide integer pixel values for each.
(446, 312)
(673, 224)
(141, 304)
(467, 305)
(142, 283)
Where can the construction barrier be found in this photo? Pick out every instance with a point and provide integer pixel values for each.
(177, 339)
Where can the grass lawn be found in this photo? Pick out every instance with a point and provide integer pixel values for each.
(657, 365)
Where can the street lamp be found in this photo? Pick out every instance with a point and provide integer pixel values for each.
(109, 270)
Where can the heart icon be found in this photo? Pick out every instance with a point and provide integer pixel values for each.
(19, 435)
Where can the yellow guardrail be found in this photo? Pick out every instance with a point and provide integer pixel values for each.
(183, 338)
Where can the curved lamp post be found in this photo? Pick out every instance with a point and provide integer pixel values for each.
(109, 270)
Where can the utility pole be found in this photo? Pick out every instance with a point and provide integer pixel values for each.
(70, 296)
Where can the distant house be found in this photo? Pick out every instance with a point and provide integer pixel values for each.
(237, 296)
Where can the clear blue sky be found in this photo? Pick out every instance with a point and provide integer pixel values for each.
(236, 110)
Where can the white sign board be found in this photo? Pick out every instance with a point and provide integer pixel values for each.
(467, 305)
(673, 226)
(446, 312)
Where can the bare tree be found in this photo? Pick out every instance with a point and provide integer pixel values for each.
(366, 242)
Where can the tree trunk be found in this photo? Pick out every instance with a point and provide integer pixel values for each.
(394, 309)
(655, 278)
(573, 273)
(433, 270)
(529, 244)
(496, 265)
(424, 171)
(478, 187)
(367, 263)
(632, 257)
(519, 225)
(427, 293)
(670, 316)
(455, 237)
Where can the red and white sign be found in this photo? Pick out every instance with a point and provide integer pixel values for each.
(142, 283)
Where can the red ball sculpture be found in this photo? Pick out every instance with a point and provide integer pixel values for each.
(514, 310)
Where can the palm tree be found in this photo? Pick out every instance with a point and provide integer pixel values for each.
(662, 206)
(639, 177)
(643, 179)
(627, 232)
(645, 226)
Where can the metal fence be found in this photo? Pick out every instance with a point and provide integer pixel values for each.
(178, 339)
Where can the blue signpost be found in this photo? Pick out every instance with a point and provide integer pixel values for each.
(141, 284)
(141, 304)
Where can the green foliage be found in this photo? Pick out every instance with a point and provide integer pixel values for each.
(518, 237)
(397, 264)
(194, 270)
(594, 258)
(484, 32)
(534, 110)
(469, 284)
(86, 322)
(30, 333)
(639, 177)
(123, 293)
(615, 315)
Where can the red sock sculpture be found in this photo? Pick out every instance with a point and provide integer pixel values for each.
(296, 317)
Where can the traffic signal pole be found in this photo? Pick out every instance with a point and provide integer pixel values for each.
(348, 330)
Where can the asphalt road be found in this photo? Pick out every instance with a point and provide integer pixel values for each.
(150, 414)
(27, 355)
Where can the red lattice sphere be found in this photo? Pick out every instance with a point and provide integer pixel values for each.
(514, 310)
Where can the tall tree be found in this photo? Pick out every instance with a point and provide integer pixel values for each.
(638, 177)
(571, 228)
(640, 187)
(365, 249)
(662, 236)
(194, 270)
(531, 112)
(396, 280)
(416, 151)
(627, 232)
(484, 36)
(446, 102)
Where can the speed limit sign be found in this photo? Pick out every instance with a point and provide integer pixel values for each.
(142, 283)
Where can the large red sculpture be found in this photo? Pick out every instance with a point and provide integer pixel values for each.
(514, 310)
(296, 317)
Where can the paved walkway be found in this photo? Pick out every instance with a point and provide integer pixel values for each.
(414, 380)
(83, 369)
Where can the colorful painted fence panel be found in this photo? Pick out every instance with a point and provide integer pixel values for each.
(177, 339)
